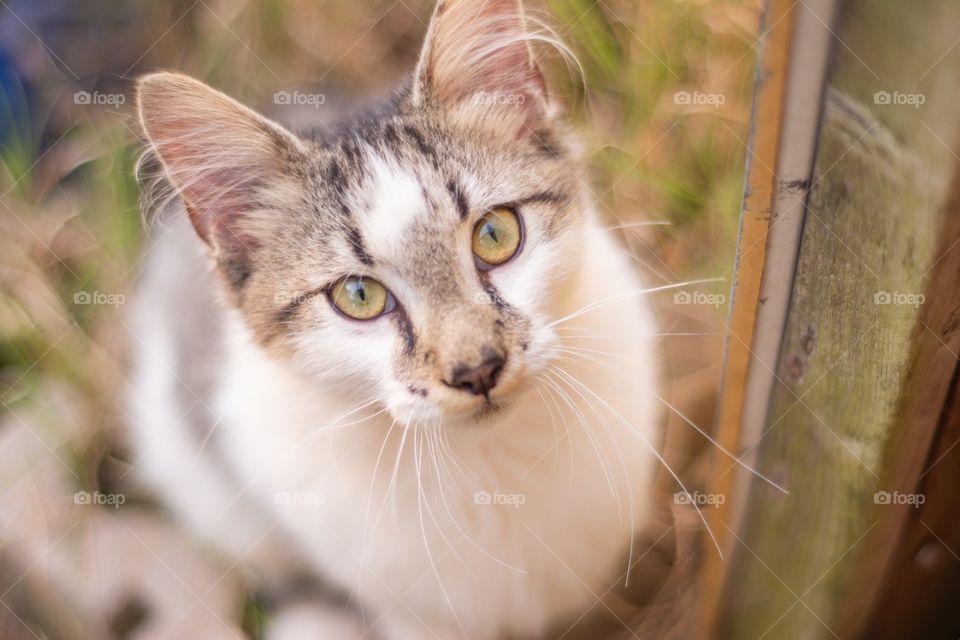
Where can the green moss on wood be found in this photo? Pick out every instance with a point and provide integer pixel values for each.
(880, 180)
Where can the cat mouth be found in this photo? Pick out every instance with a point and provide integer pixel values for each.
(485, 411)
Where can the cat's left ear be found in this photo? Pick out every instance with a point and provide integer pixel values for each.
(236, 171)
(477, 58)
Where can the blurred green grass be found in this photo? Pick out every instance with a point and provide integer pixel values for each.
(69, 220)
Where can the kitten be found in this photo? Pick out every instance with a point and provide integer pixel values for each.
(405, 357)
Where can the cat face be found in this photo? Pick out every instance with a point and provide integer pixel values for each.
(419, 255)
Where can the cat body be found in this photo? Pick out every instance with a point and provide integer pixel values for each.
(328, 381)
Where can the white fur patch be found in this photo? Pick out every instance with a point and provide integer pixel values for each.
(372, 509)
(397, 198)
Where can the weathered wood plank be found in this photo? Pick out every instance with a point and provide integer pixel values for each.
(776, 28)
(902, 579)
(918, 596)
(875, 215)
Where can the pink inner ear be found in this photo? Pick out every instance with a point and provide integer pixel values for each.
(217, 189)
(217, 154)
(217, 204)
(481, 46)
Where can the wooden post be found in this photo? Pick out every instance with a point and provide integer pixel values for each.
(863, 360)
(776, 31)
(909, 571)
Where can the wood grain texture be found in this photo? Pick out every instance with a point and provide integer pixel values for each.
(918, 592)
(892, 590)
(874, 222)
(776, 29)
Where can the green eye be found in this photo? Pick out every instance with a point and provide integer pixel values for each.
(361, 298)
(496, 238)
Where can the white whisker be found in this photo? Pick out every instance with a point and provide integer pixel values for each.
(666, 466)
(433, 565)
(623, 465)
(721, 447)
(608, 477)
(634, 225)
(465, 534)
(628, 294)
(368, 533)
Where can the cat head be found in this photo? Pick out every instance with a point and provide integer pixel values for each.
(420, 254)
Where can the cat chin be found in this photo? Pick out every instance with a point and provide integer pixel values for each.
(434, 417)
(486, 416)
(431, 415)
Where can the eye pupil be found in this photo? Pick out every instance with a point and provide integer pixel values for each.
(496, 237)
(361, 298)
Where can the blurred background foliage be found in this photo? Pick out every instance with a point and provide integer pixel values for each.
(667, 175)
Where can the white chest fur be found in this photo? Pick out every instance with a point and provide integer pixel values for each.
(476, 532)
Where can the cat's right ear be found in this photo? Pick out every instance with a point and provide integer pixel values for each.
(477, 59)
(230, 165)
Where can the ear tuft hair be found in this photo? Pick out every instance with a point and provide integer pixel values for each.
(480, 50)
(227, 163)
